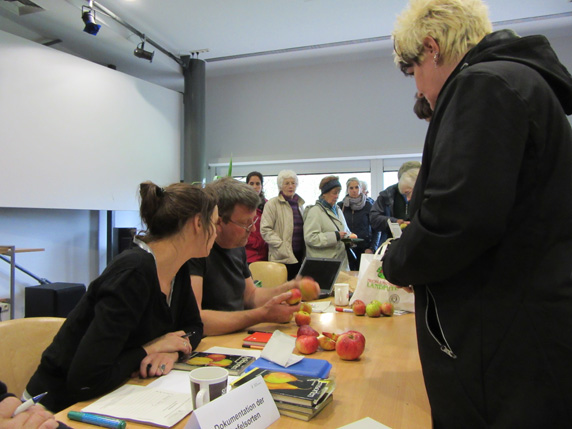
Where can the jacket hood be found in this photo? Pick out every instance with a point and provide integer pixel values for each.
(532, 51)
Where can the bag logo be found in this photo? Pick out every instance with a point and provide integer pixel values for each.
(380, 273)
(394, 298)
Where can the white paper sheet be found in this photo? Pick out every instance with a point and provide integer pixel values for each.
(143, 404)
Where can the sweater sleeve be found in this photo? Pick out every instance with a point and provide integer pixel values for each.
(105, 355)
(469, 185)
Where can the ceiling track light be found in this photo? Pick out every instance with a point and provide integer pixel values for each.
(88, 18)
(140, 51)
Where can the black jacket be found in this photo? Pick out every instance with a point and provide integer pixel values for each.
(489, 248)
(358, 222)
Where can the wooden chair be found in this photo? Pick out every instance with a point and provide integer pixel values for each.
(23, 342)
(270, 274)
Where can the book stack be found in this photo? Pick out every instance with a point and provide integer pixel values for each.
(295, 395)
(235, 364)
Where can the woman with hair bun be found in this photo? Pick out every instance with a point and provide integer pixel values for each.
(135, 317)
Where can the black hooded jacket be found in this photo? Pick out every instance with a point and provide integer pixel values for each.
(489, 248)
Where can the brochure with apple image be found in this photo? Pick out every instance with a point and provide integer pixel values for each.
(235, 364)
(291, 388)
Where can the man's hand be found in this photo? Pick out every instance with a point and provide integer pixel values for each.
(277, 310)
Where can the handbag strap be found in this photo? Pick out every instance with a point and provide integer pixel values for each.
(329, 217)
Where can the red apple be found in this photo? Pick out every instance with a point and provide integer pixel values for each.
(295, 298)
(302, 318)
(349, 346)
(359, 335)
(306, 307)
(331, 335)
(307, 344)
(358, 307)
(326, 343)
(307, 330)
(387, 309)
(309, 288)
(373, 309)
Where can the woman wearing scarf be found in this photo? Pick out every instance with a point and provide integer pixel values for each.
(281, 224)
(325, 225)
(355, 207)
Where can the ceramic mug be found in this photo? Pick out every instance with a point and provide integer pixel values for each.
(207, 384)
(341, 294)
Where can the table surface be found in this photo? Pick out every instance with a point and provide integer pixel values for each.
(385, 384)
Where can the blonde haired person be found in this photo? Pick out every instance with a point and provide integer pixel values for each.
(282, 224)
(489, 246)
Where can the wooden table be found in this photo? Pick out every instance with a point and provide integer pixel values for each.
(385, 384)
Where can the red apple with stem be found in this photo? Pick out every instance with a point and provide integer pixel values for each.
(349, 346)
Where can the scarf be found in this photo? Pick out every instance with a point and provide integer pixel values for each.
(355, 203)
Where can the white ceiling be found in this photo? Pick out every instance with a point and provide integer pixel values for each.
(244, 34)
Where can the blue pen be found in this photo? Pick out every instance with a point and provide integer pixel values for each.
(96, 419)
(29, 403)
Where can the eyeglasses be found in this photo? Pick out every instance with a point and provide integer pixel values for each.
(246, 228)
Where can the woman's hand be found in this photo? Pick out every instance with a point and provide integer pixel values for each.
(34, 417)
(171, 342)
(157, 364)
(343, 234)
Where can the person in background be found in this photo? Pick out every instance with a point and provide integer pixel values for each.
(282, 225)
(393, 202)
(134, 316)
(489, 247)
(355, 208)
(421, 108)
(35, 417)
(325, 225)
(228, 299)
(256, 247)
(365, 190)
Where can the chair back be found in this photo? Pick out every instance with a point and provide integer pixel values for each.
(270, 274)
(21, 346)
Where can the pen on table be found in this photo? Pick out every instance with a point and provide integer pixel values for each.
(28, 404)
(96, 419)
(344, 310)
(247, 346)
(252, 331)
(189, 334)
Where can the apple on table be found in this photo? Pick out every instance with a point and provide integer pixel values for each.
(350, 345)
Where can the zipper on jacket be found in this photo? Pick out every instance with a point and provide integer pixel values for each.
(431, 313)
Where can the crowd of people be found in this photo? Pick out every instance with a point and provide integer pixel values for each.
(485, 250)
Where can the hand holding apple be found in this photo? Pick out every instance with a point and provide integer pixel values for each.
(295, 298)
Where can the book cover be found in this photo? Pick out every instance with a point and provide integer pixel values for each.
(235, 364)
(257, 339)
(308, 366)
(290, 388)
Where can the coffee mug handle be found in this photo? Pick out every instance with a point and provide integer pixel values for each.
(202, 397)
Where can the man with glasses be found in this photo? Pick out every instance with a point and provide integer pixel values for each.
(223, 286)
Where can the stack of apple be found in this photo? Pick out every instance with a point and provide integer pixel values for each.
(373, 309)
(349, 345)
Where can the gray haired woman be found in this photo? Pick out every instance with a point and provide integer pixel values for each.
(282, 224)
